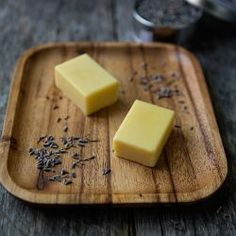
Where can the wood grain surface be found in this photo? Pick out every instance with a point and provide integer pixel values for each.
(27, 23)
(193, 163)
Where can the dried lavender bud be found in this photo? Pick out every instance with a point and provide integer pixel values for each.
(65, 129)
(83, 141)
(89, 158)
(53, 145)
(67, 117)
(132, 76)
(164, 92)
(50, 138)
(92, 140)
(144, 65)
(106, 171)
(73, 175)
(74, 164)
(63, 171)
(31, 151)
(177, 126)
(76, 156)
(66, 181)
(41, 138)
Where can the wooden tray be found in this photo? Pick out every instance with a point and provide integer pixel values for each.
(193, 164)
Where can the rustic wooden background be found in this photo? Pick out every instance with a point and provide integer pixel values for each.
(26, 23)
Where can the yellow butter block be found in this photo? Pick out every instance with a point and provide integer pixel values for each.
(86, 83)
(143, 133)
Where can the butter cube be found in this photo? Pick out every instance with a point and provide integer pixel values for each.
(143, 133)
(86, 83)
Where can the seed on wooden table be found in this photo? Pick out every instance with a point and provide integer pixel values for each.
(177, 126)
(63, 171)
(74, 164)
(66, 181)
(56, 178)
(67, 117)
(54, 145)
(132, 76)
(58, 120)
(106, 171)
(83, 141)
(89, 158)
(144, 65)
(31, 151)
(92, 140)
(73, 175)
(55, 107)
(76, 156)
(65, 129)
(41, 138)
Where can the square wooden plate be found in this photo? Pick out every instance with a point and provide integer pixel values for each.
(193, 163)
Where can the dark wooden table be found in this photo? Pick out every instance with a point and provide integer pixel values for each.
(26, 23)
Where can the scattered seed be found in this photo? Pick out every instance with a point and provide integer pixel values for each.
(52, 178)
(89, 158)
(144, 65)
(41, 138)
(66, 181)
(106, 171)
(177, 126)
(191, 128)
(92, 140)
(74, 164)
(60, 97)
(65, 129)
(55, 178)
(76, 156)
(65, 176)
(73, 175)
(31, 151)
(47, 97)
(83, 141)
(58, 120)
(67, 117)
(55, 107)
(63, 171)
(62, 150)
(164, 92)
(133, 76)
(54, 145)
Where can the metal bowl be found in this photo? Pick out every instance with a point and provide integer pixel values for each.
(147, 31)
